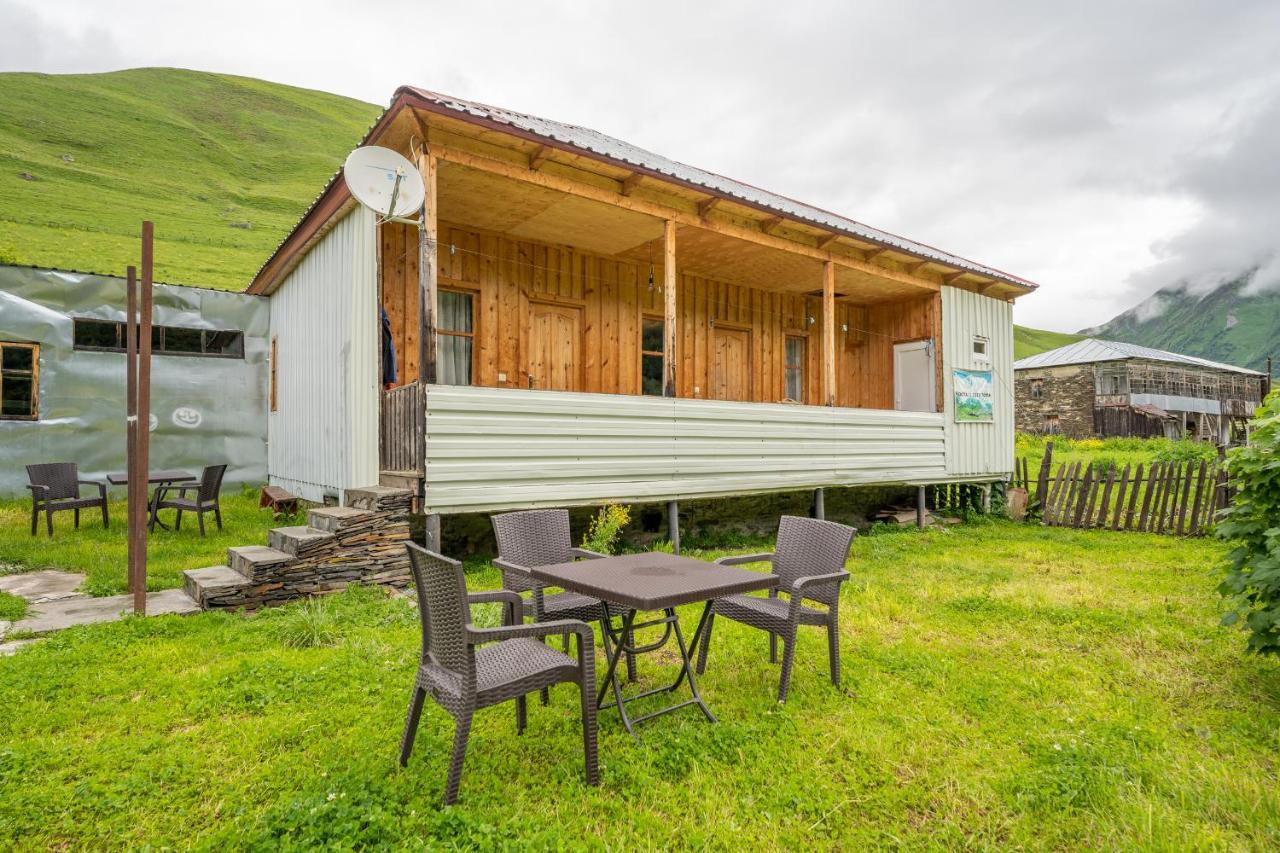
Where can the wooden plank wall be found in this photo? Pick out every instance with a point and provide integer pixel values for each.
(505, 274)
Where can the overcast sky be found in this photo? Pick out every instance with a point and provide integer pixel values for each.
(1101, 149)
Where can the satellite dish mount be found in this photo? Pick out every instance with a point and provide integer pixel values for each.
(386, 183)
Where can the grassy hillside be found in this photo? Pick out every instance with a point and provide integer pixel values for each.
(1225, 325)
(1031, 341)
(223, 165)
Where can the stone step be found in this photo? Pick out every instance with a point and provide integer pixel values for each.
(84, 610)
(252, 560)
(332, 519)
(208, 587)
(379, 499)
(296, 540)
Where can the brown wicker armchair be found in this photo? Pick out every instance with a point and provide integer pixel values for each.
(541, 537)
(205, 499)
(55, 487)
(465, 668)
(809, 562)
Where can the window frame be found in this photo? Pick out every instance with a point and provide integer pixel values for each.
(1035, 388)
(1054, 419)
(34, 373)
(982, 356)
(803, 337)
(646, 353)
(158, 331)
(474, 296)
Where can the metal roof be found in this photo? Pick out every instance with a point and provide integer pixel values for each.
(1092, 350)
(599, 145)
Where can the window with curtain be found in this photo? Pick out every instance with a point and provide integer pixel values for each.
(19, 379)
(455, 338)
(793, 369)
(651, 347)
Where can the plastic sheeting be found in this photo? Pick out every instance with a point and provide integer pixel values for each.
(205, 410)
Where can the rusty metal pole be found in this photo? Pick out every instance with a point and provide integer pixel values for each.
(131, 423)
(144, 413)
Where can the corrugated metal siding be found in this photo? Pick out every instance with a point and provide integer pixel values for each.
(496, 448)
(978, 449)
(323, 437)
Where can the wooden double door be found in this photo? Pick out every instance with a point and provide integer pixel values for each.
(553, 347)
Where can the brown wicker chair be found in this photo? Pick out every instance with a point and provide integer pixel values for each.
(462, 675)
(809, 562)
(55, 487)
(541, 537)
(205, 499)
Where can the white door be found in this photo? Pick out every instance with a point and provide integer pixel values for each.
(913, 377)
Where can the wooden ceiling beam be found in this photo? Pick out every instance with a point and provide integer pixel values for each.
(950, 278)
(914, 267)
(540, 155)
(872, 254)
(768, 225)
(707, 205)
(827, 240)
(630, 182)
(679, 216)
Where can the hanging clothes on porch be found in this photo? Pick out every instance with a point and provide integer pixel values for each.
(388, 351)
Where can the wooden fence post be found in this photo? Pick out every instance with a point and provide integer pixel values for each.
(1042, 483)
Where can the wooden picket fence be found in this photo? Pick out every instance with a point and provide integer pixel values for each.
(1175, 498)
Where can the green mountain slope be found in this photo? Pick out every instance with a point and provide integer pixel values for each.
(1028, 341)
(1225, 325)
(223, 165)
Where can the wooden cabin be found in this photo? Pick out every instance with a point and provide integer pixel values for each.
(580, 321)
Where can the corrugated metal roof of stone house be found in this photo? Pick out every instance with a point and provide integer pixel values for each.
(1092, 350)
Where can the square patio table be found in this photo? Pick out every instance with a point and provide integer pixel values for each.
(162, 476)
(651, 582)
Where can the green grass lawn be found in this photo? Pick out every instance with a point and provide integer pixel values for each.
(1006, 686)
(102, 554)
(1110, 451)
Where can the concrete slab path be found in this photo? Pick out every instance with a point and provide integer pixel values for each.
(39, 587)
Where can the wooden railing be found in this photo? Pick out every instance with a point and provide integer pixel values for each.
(402, 429)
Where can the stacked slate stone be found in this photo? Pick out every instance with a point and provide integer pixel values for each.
(362, 542)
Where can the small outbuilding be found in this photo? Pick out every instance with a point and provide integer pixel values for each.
(1110, 388)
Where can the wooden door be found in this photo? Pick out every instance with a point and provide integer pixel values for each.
(731, 364)
(554, 347)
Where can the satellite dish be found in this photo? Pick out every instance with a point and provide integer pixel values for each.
(384, 181)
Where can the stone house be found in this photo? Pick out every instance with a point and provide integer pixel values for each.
(1109, 388)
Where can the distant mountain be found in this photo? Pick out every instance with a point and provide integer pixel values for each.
(1028, 341)
(223, 165)
(1224, 325)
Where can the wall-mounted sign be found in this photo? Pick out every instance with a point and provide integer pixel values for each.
(974, 394)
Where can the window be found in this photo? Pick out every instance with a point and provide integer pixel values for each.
(981, 351)
(109, 336)
(1037, 389)
(652, 341)
(455, 338)
(1052, 425)
(19, 381)
(793, 368)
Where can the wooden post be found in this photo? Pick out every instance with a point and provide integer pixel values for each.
(673, 525)
(140, 466)
(669, 309)
(986, 499)
(431, 535)
(428, 271)
(829, 333)
(819, 504)
(1042, 483)
(920, 509)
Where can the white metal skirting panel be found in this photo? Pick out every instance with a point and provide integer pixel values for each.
(323, 436)
(496, 448)
(978, 449)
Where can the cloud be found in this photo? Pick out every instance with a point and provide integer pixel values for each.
(1102, 149)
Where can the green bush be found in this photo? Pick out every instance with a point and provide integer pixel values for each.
(602, 535)
(1252, 523)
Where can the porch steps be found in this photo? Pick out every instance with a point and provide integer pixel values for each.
(208, 587)
(252, 561)
(334, 519)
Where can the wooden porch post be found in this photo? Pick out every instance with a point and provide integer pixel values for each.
(428, 272)
(829, 333)
(669, 308)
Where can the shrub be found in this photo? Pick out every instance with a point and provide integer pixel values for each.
(606, 527)
(1252, 523)
(308, 624)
